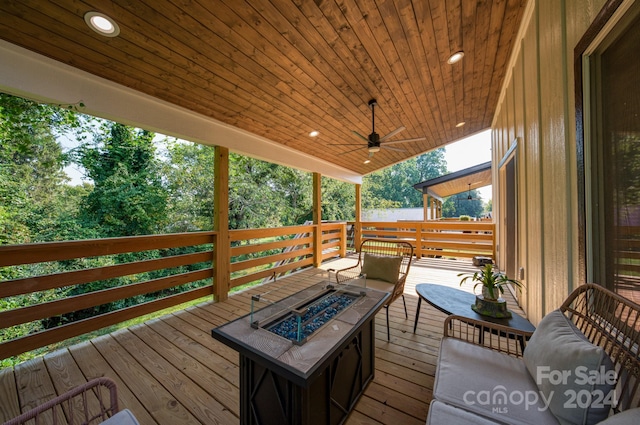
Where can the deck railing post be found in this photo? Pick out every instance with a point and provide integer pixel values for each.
(418, 246)
(222, 260)
(317, 219)
(357, 226)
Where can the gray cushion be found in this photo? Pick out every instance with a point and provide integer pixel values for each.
(488, 383)
(123, 417)
(381, 268)
(445, 414)
(566, 366)
(628, 417)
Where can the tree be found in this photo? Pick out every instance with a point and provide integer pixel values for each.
(392, 187)
(31, 167)
(128, 197)
(338, 200)
(189, 172)
(459, 204)
(263, 194)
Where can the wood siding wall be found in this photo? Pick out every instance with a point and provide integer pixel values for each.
(536, 110)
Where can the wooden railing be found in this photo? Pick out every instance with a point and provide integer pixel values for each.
(40, 253)
(256, 253)
(185, 262)
(260, 253)
(449, 239)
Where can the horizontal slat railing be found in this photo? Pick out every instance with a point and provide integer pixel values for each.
(13, 255)
(69, 316)
(255, 254)
(450, 239)
(261, 253)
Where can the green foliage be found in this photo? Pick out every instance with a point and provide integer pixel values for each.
(262, 194)
(189, 174)
(338, 200)
(490, 278)
(31, 167)
(393, 186)
(128, 197)
(459, 205)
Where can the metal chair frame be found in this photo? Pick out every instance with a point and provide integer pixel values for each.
(83, 404)
(382, 248)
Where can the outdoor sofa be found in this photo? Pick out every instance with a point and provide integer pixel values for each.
(580, 366)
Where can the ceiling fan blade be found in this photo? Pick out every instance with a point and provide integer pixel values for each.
(392, 149)
(352, 150)
(361, 136)
(344, 144)
(393, 133)
(417, 139)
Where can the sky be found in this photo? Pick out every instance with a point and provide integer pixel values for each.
(468, 152)
(462, 154)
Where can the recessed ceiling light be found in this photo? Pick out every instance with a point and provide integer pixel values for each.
(460, 124)
(314, 133)
(366, 161)
(102, 24)
(455, 57)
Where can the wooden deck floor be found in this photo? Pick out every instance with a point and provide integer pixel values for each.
(171, 371)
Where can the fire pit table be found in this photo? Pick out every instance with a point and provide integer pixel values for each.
(305, 359)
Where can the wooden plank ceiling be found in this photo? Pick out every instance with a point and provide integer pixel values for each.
(281, 68)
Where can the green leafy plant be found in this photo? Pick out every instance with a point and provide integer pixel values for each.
(491, 279)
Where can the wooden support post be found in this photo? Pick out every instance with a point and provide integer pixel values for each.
(222, 260)
(425, 206)
(357, 231)
(317, 219)
(343, 240)
(418, 247)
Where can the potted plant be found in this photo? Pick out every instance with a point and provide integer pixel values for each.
(492, 282)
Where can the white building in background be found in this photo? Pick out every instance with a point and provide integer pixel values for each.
(394, 214)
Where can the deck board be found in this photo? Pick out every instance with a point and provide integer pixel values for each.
(94, 365)
(170, 370)
(9, 407)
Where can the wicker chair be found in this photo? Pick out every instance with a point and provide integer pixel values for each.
(385, 264)
(84, 404)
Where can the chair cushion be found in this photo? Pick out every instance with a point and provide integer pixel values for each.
(488, 383)
(628, 417)
(577, 375)
(123, 417)
(381, 268)
(442, 413)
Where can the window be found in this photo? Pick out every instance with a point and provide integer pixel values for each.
(612, 153)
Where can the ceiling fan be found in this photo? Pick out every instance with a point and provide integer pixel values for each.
(469, 197)
(374, 141)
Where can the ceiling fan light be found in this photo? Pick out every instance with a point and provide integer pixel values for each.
(456, 57)
(374, 149)
(102, 24)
